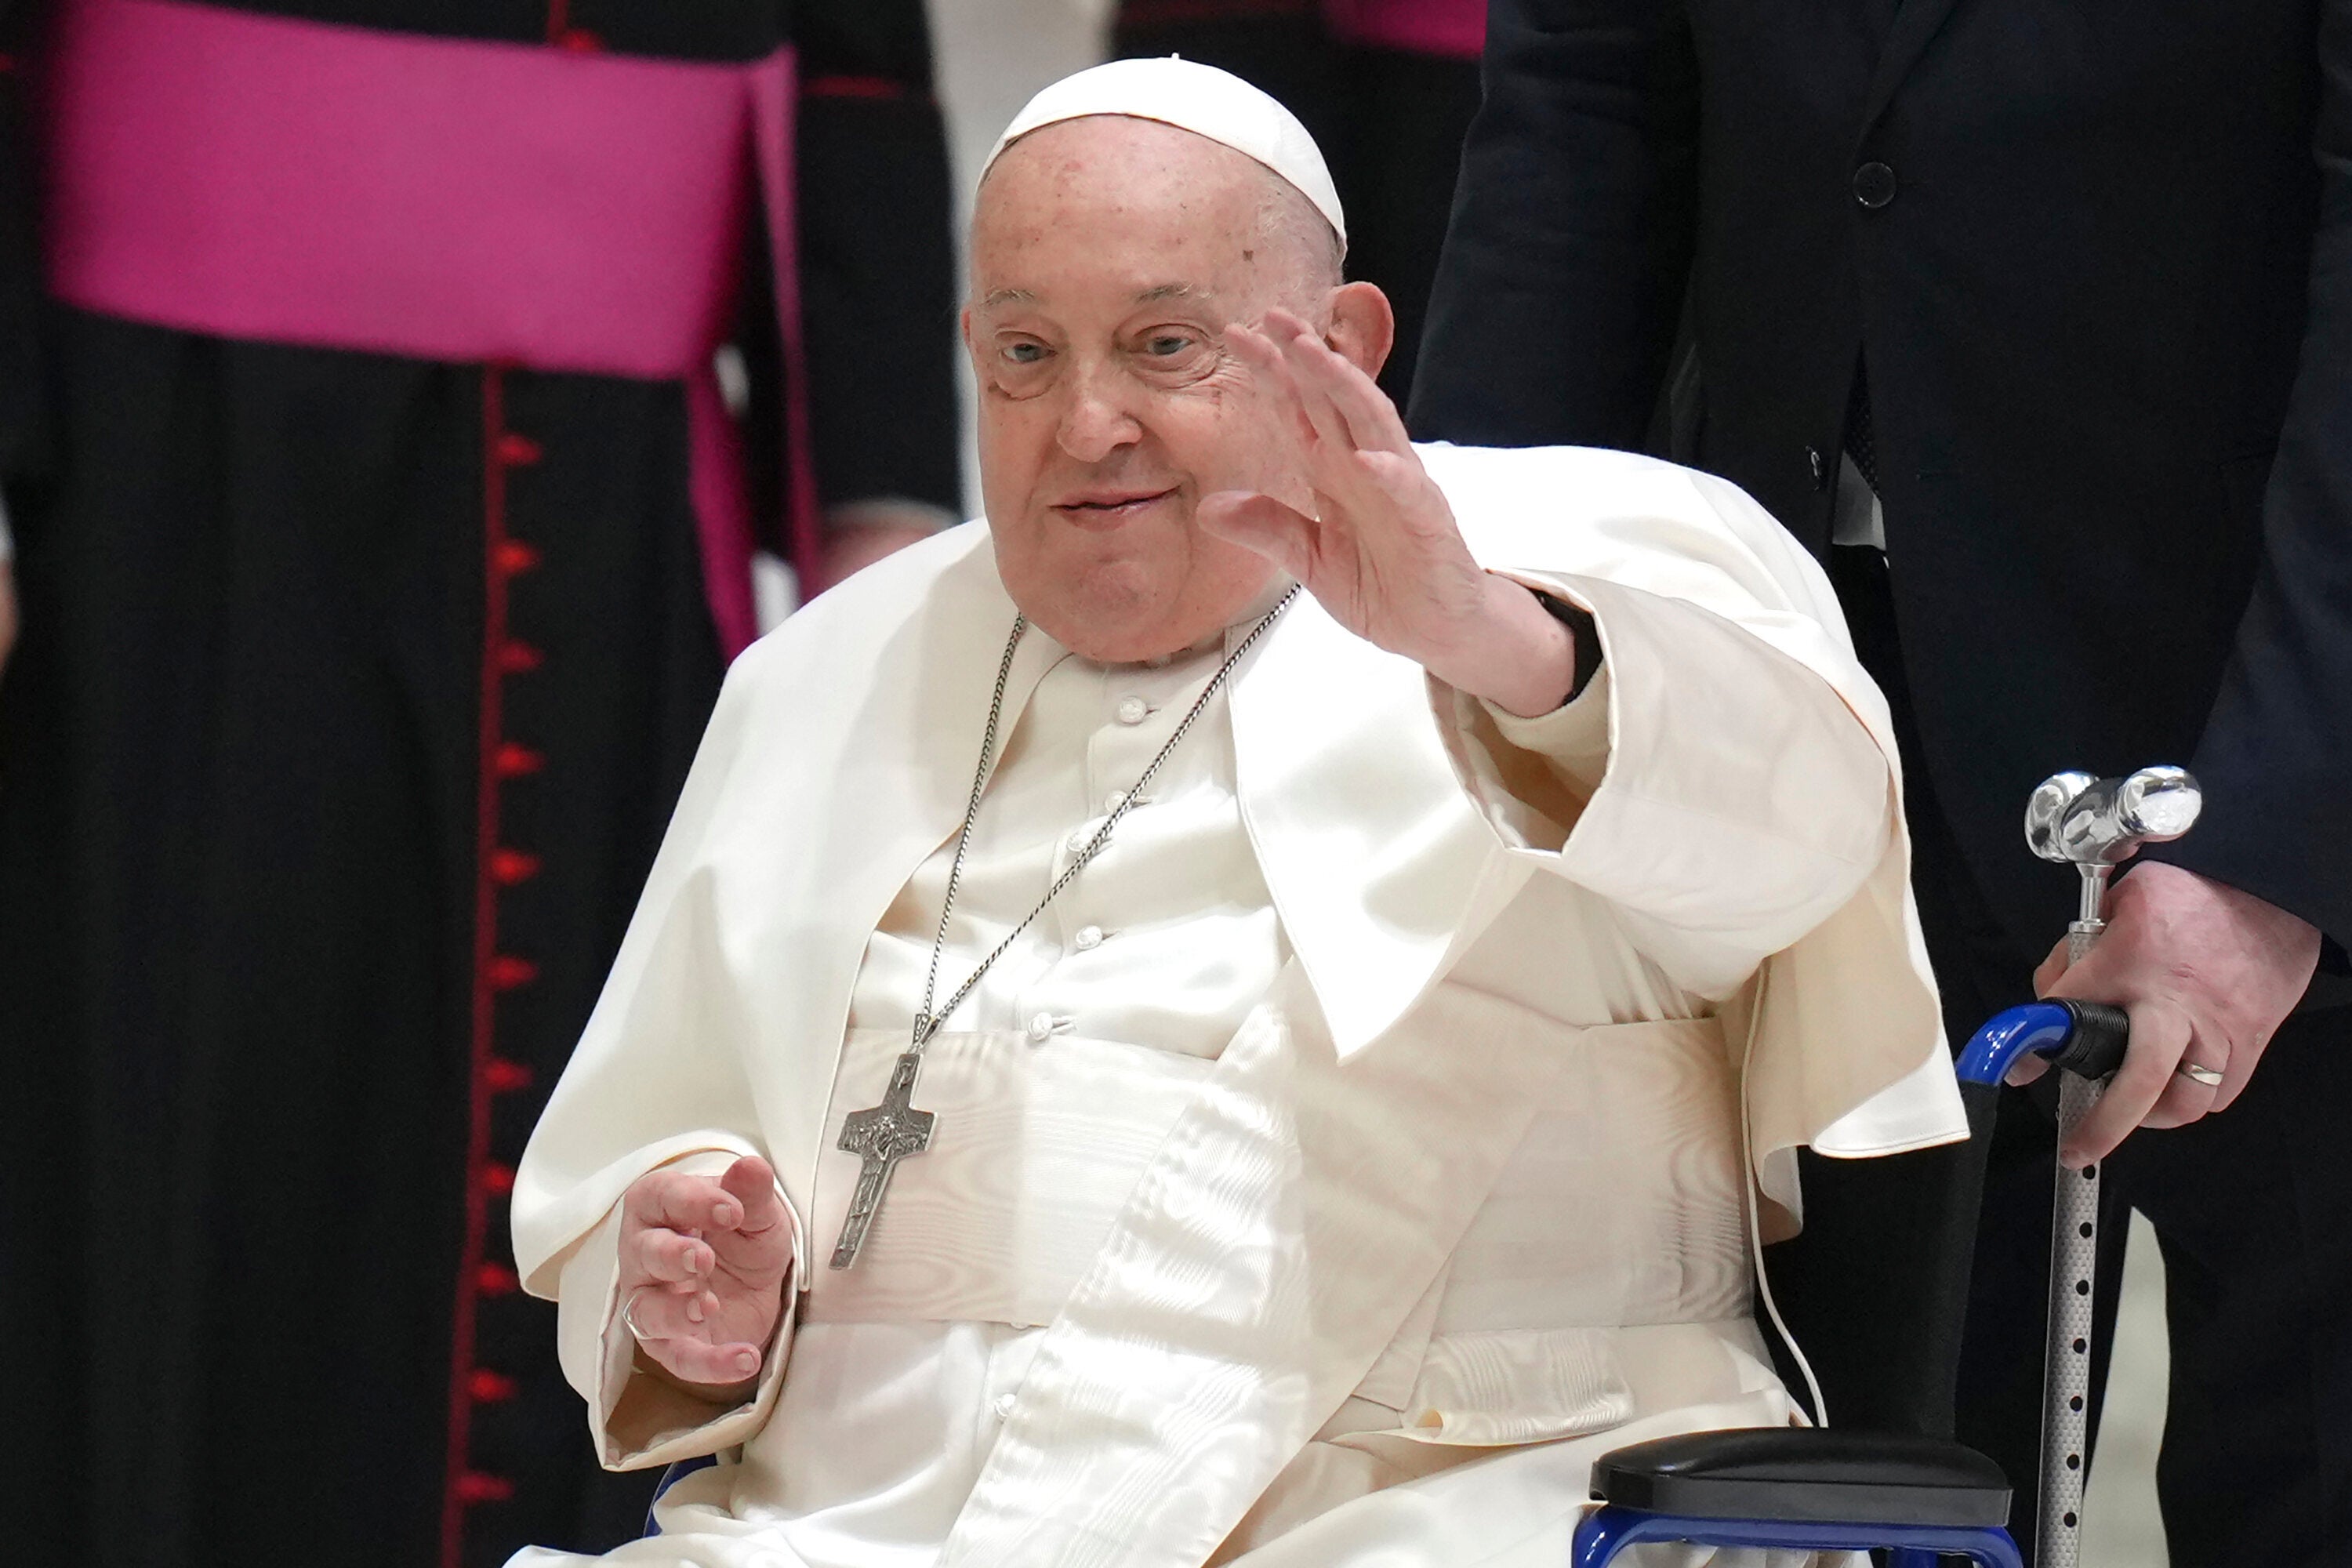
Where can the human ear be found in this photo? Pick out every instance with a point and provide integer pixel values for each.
(1363, 326)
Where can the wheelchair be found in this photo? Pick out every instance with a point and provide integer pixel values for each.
(1895, 1481)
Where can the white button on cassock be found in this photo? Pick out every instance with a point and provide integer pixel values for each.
(1041, 1028)
(1134, 710)
(1088, 937)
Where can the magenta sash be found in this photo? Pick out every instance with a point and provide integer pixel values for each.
(1455, 29)
(295, 182)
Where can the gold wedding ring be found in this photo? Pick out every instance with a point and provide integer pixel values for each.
(2210, 1076)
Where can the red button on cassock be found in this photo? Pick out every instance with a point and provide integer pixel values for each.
(489, 1388)
(515, 759)
(505, 1076)
(499, 1178)
(514, 557)
(514, 448)
(477, 1486)
(507, 972)
(512, 867)
(518, 658)
(497, 1280)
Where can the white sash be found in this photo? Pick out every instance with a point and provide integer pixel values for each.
(1271, 1251)
(1035, 1151)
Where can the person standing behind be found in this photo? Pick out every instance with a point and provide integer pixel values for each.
(23, 429)
(2037, 322)
(385, 524)
(1386, 88)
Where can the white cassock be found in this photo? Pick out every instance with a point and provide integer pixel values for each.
(1353, 1153)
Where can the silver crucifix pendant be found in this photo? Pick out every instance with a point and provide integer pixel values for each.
(880, 1136)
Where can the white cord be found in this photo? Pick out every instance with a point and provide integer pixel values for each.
(1752, 1181)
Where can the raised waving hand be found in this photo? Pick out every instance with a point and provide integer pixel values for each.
(1380, 551)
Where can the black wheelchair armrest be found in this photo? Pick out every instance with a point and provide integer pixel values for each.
(1785, 1473)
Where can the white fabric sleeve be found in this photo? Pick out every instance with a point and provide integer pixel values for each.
(1718, 793)
(1744, 821)
(658, 1077)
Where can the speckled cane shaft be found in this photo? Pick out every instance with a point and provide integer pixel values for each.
(2067, 1358)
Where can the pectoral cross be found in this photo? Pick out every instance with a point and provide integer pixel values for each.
(880, 1136)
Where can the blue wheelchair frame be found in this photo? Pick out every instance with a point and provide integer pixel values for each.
(1611, 1530)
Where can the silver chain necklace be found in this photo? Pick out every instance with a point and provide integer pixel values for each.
(883, 1135)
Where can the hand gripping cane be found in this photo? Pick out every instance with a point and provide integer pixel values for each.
(2094, 826)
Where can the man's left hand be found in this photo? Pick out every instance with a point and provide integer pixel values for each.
(861, 533)
(1382, 553)
(7, 612)
(2207, 973)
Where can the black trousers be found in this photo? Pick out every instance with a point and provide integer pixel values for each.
(2253, 1208)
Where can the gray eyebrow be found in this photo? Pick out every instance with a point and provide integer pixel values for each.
(1148, 297)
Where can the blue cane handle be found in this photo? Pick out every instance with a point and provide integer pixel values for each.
(2085, 1039)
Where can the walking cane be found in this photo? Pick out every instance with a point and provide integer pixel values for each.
(2094, 826)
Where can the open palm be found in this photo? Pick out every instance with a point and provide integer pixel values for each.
(703, 1265)
(1381, 553)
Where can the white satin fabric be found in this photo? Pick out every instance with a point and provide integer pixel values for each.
(1168, 938)
(1426, 1032)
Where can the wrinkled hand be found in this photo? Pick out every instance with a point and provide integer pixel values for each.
(2207, 973)
(1382, 553)
(703, 1264)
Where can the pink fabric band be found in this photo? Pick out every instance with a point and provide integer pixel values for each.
(1453, 29)
(295, 182)
(302, 183)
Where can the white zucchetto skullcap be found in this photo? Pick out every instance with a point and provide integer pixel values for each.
(1192, 97)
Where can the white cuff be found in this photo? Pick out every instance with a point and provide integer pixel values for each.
(1573, 737)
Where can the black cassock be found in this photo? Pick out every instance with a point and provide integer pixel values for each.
(351, 698)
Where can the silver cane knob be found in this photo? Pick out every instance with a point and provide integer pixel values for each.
(2095, 824)
(2085, 821)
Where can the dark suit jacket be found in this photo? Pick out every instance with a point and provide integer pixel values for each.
(2104, 287)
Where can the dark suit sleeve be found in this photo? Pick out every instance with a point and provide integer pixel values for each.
(2276, 756)
(877, 269)
(1569, 245)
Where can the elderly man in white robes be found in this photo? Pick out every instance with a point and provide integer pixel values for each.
(1252, 1005)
